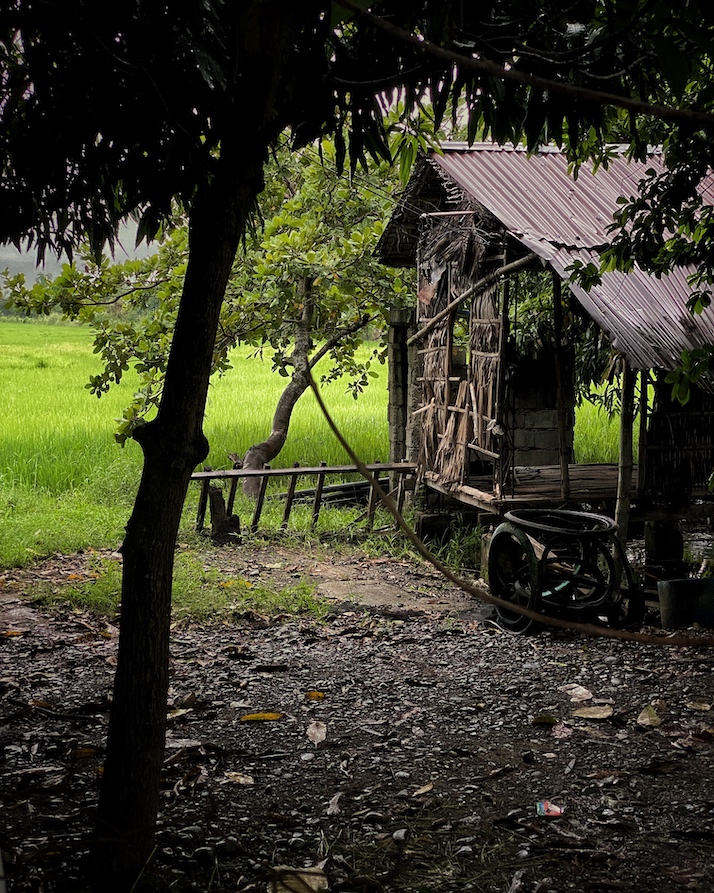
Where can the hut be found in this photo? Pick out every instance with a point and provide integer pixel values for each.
(481, 401)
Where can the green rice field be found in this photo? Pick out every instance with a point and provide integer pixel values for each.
(66, 485)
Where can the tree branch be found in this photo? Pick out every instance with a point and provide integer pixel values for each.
(485, 66)
(344, 332)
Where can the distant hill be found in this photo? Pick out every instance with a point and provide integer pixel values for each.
(25, 261)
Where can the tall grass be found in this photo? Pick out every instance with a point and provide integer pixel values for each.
(66, 485)
(597, 435)
(241, 405)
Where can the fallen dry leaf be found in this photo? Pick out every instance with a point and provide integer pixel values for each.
(423, 790)
(648, 717)
(602, 711)
(703, 706)
(239, 778)
(297, 880)
(317, 732)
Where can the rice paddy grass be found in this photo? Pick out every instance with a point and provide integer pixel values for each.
(66, 485)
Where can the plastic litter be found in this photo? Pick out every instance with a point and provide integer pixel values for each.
(548, 809)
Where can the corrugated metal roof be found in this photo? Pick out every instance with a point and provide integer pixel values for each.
(563, 219)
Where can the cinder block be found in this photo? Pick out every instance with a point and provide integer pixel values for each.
(524, 439)
(546, 439)
(542, 457)
(544, 418)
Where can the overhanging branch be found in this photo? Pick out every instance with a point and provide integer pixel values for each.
(485, 66)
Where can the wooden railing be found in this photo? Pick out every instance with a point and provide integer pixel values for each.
(404, 471)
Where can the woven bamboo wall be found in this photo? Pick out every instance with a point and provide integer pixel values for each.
(680, 445)
(451, 249)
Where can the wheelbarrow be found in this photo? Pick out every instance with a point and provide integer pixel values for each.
(562, 563)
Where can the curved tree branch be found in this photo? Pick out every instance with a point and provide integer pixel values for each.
(485, 66)
(338, 336)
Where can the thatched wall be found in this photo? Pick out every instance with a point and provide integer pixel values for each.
(451, 249)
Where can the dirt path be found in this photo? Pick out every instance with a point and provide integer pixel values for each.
(404, 744)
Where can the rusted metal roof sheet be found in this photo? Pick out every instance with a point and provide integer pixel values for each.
(563, 219)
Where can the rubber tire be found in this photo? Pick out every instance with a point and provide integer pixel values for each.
(513, 576)
(593, 569)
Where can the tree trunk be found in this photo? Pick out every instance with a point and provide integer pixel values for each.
(260, 454)
(173, 444)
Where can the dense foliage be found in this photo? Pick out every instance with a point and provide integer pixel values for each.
(315, 226)
(108, 110)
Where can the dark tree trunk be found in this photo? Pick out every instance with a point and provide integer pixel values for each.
(173, 444)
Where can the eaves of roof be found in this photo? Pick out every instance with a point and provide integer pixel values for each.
(563, 219)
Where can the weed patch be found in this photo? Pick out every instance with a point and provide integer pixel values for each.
(201, 592)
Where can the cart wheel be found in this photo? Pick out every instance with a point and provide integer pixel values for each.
(579, 576)
(513, 576)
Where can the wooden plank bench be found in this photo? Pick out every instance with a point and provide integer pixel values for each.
(404, 470)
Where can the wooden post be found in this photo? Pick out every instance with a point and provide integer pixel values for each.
(624, 468)
(642, 448)
(202, 503)
(500, 469)
(232, 496)
(401, 324)
(318, 497)
(259, 502)
(372, 503)
(563, 446)
(289, 497)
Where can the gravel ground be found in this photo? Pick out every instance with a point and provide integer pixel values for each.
(404, 744)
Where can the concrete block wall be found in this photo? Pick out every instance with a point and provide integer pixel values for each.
(533, 420)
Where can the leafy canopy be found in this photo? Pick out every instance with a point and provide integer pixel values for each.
(111, 110)
(316, 226)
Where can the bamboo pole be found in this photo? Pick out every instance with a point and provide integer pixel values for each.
(624, 467)
(563, 447)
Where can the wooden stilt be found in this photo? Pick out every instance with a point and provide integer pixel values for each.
(563, 446)
(290, 496)
(232, 495)
(624, 468)
(372, 504)
(259, 502)
(202, 503)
